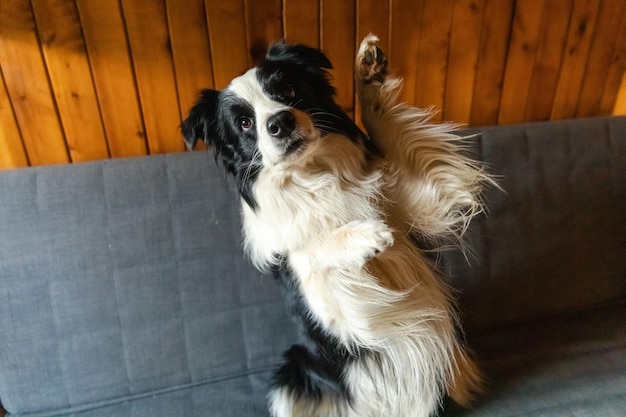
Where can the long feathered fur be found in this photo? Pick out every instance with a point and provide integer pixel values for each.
(337, 224)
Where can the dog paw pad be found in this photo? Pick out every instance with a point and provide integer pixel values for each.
(371, 61)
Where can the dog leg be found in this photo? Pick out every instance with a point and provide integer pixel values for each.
(302, 388)
(333, 275)
(436, 187)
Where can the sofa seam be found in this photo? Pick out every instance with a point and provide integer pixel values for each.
(68, 411)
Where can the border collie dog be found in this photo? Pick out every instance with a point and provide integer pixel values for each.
(336, 215)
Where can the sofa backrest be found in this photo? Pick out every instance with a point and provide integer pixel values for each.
(555, 239)
(124, 277)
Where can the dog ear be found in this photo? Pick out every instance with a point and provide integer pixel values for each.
(299, 54)
(199, 124)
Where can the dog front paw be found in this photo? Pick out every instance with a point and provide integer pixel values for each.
(371, 62)
(363, 240)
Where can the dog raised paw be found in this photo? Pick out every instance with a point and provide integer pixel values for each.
(363, 240)
(371, 62)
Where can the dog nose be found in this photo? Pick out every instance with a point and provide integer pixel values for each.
(281, 124)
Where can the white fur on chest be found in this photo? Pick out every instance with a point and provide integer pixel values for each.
(298, 204)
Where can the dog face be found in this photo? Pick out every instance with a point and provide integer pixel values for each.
(270, 116)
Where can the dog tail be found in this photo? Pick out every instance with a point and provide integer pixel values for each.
(468, 381)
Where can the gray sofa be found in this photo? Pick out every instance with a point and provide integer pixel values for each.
(124, 292)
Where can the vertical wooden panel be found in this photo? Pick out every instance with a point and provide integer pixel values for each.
(548, 60)
(494, 40)
(614, 89)
(373, 17)
(577, 47)
(12, 154)
(227, 34)
(190, 49)
(146, 23)
(27, 84)
(462, 59)
(338, 30)
(432, 60)
(302, 21)
(406, 16)
(112, 71)
(264, 24)
(601, 54)
(525, 37)
(70, 76)
(619, 108)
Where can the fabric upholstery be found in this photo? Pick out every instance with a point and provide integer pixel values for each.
(555, 239)
(124, 291)
(123, 277)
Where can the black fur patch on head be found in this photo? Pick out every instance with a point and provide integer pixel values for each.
(296, 75)
(216, 119)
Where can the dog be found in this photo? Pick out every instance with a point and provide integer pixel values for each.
(340, 218)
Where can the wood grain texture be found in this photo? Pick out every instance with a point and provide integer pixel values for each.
(113, 76)
(227, 34)
(577, 48)
(27, 83)
(70, 76)
(301, 20)
(13, 154)
(264, 26)
(96, 79)
(491, 63)
(146, 23)
(462, 58)
(406, 17)
(191, 51)
(601, 57)
(338, 42)
(548, 59)
(430, 78)
(525, 38)
(614, 86)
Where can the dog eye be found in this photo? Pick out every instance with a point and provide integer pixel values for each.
(288, 92)
(246, 123)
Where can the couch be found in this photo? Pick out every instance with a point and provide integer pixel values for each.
(124, 291)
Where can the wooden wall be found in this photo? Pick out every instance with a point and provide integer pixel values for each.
(91, 79)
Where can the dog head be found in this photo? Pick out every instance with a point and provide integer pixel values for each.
(270, 116)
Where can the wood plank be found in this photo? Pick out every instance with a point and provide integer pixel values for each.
(146, 24)
(462, 59)
(430, 79)
(614, 89)
(338, 28)
(601, 54)
(524, 42)
(496, 27)
(27, 84)
(12, 153)
(112, 70)
(191, 50)
(301, 20)
(406, 16)
(619, 108)
(70, 76)
(373, 16)
(548, 60)
(227, 35)
(577, 48)
(264, 26)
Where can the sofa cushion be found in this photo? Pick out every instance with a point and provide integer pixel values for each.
(554, 239)
(125, 277)
(571, 365)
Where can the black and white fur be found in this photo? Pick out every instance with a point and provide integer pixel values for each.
(334, 215)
